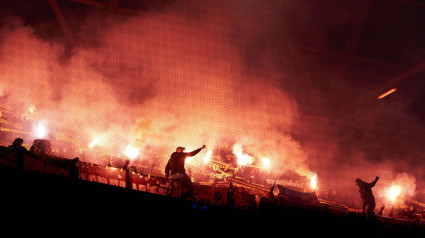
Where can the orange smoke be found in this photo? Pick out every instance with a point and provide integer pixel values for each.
(154, 83)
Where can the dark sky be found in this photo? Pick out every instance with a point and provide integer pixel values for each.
(327, 61)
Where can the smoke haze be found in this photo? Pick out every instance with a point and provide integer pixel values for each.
(209, 73)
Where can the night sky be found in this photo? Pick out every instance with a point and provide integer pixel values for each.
(296, 81)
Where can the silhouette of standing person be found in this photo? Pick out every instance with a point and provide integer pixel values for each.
(366, 194)
(175, 167)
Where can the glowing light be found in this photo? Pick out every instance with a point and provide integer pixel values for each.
(243, 159)
(208, 156)
(188, 160)
(394, 192)
(266, 162)
(31, 109)
(131, 152)
(387, 93)
(94, 142)
(313, 182)
(41, 130)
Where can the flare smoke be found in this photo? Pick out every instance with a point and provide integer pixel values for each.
(212, 73)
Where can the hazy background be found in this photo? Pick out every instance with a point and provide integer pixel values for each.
(263, 74)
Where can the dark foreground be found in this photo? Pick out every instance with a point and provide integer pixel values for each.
(33, 200)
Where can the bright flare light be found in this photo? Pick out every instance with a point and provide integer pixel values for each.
(131, 152)
(266, 162)
(41, 130)
(243, 159)
(94, 142)
(208, 156)
(394, 192)
(31, 109)
(313, 182)
(188, 160)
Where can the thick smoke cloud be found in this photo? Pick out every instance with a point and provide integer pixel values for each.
(217, 73)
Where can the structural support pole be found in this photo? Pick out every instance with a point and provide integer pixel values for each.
(62, 22)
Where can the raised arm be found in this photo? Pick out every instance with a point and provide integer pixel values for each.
(372, 184)
(193, 153)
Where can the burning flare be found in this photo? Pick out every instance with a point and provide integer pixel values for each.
(394, 192)
(94, 142)
(403, 186)
(313, 182)
(208, 156)
(266, 163)
(243, 159)
(41, 130)
(131, 152)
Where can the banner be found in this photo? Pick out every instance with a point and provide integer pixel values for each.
(298, 197)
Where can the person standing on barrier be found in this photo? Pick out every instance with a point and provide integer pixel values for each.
(366, 194)
(174, 170)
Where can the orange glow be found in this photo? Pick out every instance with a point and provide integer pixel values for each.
(111, 112)
(188, 160)
(313, 182)
(394, 192)
(403, 186)
(243, 159)
(41, 130)
(208, 156)
(266, 162)
(387, 93)
(94, 142)
(131, 152)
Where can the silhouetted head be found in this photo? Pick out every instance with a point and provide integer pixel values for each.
(358, 181)
(18, 142)
(180, 149)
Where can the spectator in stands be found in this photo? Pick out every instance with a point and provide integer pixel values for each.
(17, 143)
(75, 169)
(127, 162)
(175, 165)
(231, 195)
(20, 150)
(366, 194)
